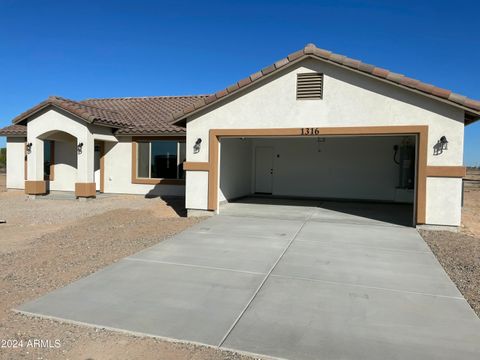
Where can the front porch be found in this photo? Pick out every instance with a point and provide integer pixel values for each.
(63, 154)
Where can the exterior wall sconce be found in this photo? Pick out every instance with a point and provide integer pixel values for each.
(440, 146)
(79, 148)
(29, 148)
(443, 140)
(196, 147)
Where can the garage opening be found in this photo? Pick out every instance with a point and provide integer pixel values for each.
(365, 176)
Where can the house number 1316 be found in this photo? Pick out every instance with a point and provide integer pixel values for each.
(310, 131)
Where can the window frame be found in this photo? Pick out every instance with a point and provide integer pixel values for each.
(152, 181)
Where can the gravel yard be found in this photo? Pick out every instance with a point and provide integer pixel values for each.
(47, 244)
(459, 253)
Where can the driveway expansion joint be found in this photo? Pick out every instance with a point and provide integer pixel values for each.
(264, 280)
(367, 286)
(362, 246)
(192, 265)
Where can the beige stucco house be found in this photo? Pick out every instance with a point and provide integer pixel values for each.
(312, 125)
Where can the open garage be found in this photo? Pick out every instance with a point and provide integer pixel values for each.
(358, 170)
(309, 127)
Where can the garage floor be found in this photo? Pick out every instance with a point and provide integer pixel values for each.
(293, 279)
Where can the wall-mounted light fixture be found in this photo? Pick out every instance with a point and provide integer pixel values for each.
(79, 148)
(196, 147)
(29, 148)
(440, 146)
(443, 140)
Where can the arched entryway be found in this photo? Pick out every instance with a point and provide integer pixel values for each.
(61, 160)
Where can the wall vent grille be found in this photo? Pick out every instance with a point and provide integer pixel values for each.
(309, 86)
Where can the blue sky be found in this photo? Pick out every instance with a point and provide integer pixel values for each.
(81, 49)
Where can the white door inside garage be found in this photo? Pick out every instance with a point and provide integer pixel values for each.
(375, 169)
(263, 170)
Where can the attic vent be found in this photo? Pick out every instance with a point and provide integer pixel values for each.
(309, 86)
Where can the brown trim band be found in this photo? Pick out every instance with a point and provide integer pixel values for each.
(35, 187)
(85, 189)
(149, 138)
(196, 166)
(420, 131)
(148, 181)
(158, 181)
(447, 171)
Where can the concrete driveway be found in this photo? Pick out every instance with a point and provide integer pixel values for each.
(296, 280)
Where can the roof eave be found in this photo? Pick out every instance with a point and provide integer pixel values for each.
(13, 135)
(87, 119)
(150, 133)
(470, 118)
(236, 89)
(30, 113)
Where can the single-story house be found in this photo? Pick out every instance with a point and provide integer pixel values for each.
(312, 125)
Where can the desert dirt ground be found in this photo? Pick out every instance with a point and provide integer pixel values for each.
(46, 244)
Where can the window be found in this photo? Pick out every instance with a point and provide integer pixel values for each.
(309, 86)
(160, 159)
(48, 159)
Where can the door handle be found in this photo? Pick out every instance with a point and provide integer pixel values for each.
(271, 171)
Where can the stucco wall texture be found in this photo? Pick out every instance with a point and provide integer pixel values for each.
(71, 167)
(349, 99)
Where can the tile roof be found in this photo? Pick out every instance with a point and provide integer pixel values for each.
(312, 51)
(130, 116)
(89, 113)
(14, 130)
(147, 115)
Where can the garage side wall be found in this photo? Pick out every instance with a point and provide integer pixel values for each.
(235, 168)
(349, 99)
(15, 163)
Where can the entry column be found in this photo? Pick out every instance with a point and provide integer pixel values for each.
(85, 185)
(35, 183)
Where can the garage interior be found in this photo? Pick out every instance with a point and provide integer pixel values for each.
(366, 176)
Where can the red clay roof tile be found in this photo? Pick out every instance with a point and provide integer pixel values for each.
(380, 72)
(150, 115)
(244, 82)
(295, 55)
(256, 76)
(281, 63)
(268, 69)
(14, 130)
(232, 88)
(441, 92)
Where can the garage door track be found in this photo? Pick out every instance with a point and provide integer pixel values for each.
(292, 280)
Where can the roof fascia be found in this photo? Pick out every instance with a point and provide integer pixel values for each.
(313, 56)
(30, 116)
